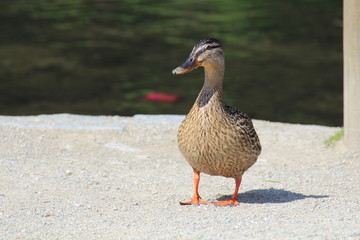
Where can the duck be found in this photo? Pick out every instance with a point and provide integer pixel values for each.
(215, 138)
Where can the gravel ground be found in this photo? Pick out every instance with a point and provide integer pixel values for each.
(107, 177)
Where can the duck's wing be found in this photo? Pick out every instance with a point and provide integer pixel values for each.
(245, 125)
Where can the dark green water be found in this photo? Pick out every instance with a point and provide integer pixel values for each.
(283, 57)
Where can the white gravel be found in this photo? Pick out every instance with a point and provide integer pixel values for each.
(106, 177)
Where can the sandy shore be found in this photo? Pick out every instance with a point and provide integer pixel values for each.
(95, 177)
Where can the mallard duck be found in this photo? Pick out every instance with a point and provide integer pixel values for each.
(215, 138)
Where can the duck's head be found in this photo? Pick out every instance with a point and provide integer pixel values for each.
(206, 53)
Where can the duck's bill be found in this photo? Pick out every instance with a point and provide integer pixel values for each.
(189, 65)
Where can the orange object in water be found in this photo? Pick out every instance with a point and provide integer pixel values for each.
(161, 97)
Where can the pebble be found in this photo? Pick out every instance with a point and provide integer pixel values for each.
(128, 183)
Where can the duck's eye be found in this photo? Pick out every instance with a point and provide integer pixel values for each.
(191, 59)
(208, 47)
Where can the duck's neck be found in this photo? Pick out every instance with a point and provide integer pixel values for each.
(213, 83)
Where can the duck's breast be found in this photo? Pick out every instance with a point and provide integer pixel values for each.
(213, 145)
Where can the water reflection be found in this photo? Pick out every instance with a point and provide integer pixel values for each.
(283, 58)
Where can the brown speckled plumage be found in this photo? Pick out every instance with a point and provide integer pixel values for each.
(215, 138)
(218, 140)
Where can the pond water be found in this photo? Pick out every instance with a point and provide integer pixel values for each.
(283, 58)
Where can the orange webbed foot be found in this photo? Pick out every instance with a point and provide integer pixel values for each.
(230, 202)
(194, 201)
(196, 198)
(233, 200)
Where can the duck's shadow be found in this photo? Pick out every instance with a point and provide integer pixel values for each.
(271, 195)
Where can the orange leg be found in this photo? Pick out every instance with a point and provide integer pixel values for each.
(233, 200)
(196, 199)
